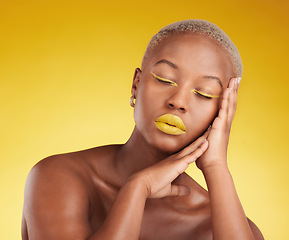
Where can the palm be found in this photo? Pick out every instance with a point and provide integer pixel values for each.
(218, 139)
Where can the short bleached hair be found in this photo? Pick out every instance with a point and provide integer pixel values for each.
(199, 27)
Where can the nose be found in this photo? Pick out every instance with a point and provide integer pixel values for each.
(179, 101)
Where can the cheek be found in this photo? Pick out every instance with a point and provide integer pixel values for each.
(150, 96)
(203, 115)
(208, 111)
(146, 102)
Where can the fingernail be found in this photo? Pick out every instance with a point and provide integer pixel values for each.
(235, 83)
(239, 80)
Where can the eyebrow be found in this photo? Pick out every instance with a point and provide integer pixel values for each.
(214, 78)
(167, 62)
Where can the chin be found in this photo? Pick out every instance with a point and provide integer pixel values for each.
(169, 144)
(169, 149)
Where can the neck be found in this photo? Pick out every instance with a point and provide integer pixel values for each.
(136, 154)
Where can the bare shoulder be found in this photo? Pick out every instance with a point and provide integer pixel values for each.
(58, 194)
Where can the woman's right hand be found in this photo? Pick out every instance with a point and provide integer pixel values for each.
(158, 178)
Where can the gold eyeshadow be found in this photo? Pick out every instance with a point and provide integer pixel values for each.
(205, 94)
(164, 80)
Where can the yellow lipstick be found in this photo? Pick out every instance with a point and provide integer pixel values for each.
(170, 124)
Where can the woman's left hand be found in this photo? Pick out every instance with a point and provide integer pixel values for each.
(218, 138)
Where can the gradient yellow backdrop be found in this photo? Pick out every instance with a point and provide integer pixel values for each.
(66, 69)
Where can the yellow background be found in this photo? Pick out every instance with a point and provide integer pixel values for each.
(66, 69)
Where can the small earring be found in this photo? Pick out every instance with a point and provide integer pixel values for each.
(132, 101)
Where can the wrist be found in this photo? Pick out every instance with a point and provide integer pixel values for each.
(216, 176)
(217, 167)
(138, 185)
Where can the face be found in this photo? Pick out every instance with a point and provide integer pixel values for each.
(177, 92)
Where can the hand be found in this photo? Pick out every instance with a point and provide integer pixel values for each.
(158, 178)
(218, 139)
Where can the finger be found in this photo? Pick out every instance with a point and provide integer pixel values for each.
(193, 146)
(182, 164)
(233, 101)
(231, 97)
(239, 81)
(223, 112)
(193, 156)
(179, 190)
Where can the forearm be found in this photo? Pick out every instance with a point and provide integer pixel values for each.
(125, 217)
(228, 218)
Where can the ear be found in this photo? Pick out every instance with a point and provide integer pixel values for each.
(136, 80)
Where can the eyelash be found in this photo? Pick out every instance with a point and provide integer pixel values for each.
(163, 80)
(205, 95)
(199, 93)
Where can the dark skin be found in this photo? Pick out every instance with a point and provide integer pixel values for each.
(139, 190)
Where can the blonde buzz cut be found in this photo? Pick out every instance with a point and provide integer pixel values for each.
(197, 26)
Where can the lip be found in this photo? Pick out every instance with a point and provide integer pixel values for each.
(170, 124)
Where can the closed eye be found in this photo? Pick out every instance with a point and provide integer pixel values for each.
(163, 80)
(205, 95)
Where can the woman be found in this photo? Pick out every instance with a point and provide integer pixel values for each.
(184, 100)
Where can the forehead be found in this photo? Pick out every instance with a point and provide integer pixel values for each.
(193, 54)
